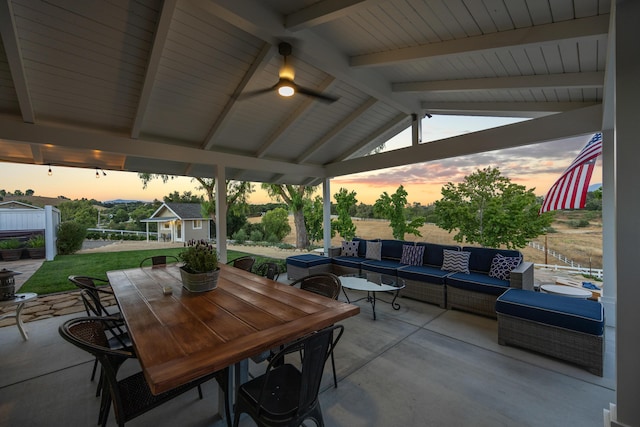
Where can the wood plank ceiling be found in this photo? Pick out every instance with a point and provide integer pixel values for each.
(153, 86)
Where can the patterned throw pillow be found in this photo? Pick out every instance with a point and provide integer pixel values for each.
(374, 250)
(501, 266)
(349, 248)
(412, 255)
(457, 261)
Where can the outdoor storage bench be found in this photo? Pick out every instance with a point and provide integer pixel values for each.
(305, 264)
(571, 329)
(477, 290)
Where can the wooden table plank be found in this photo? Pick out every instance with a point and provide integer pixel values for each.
(183, 336)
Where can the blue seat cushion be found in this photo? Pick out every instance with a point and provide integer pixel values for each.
(477, 282)
(392, 249)
(576, 314)
(307, 260)
(348, 261)
(423, 273)
(481, 258)
(384, 266)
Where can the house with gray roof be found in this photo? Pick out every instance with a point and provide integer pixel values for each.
(180, 222)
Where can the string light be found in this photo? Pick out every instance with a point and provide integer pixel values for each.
(50, 171)
(97, 174)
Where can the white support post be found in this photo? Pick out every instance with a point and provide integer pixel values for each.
(221, 214)
(49, 233)
(326, 215)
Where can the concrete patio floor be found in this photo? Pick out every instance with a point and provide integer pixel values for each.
(419, 366)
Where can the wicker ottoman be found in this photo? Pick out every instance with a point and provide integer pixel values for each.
(566, 328)
(303, 265)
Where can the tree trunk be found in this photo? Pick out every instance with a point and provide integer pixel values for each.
(302, 240)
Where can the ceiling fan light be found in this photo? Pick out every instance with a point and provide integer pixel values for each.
(286, 90)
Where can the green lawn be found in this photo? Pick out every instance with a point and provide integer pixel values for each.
(52, 276)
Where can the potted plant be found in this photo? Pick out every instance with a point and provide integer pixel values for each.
(10, 249)
(35, 246)
(200, 270)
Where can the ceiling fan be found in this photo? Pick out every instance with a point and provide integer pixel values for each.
(286, 86)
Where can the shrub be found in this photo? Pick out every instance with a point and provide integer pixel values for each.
(70, 237)
(276, 223)
(239, 236)
(10, 244)
(256, 236)
(36, 241)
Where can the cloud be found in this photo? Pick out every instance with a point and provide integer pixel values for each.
(524, 163)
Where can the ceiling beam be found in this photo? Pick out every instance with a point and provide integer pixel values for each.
(159, 40)
(583, 28)
(95, 142)
(324, 11)
(11, 44)
(372, 137)
(36, 153)
(335, 130)
(542, 81)
(502, 109)
(549, 128)
(261, 60)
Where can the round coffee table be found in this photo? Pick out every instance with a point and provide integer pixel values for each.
(567, 291)
(19, 299)
(372, 283)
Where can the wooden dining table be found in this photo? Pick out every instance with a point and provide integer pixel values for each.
(179, 336)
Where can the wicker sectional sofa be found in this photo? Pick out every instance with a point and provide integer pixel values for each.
(571, 329)
(475, 291)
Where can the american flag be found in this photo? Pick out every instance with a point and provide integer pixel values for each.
(570, 191)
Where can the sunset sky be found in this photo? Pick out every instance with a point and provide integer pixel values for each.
(532, 166)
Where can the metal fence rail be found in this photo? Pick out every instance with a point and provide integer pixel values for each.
(594, 272)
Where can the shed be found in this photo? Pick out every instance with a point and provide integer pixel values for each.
(180, 222)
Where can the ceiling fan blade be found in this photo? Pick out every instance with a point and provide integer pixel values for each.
(255, 93)
(321, 96)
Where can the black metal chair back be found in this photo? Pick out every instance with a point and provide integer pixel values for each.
(91, 294)
(326, 284)
(268, 269)
(244, 263)
(159, 260)
(130, 396)
(284, 395)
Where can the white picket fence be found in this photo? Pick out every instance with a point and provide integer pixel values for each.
(570, 266)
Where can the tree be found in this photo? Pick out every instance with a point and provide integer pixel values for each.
(293, 196)
(345, 201)
(29, 192)
(276, 224)
(393, 208)
(314, 218)
(490, 210)
(80, 211)
(185, 197)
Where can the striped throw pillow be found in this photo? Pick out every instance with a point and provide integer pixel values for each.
(412, 255)
(457, 261)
